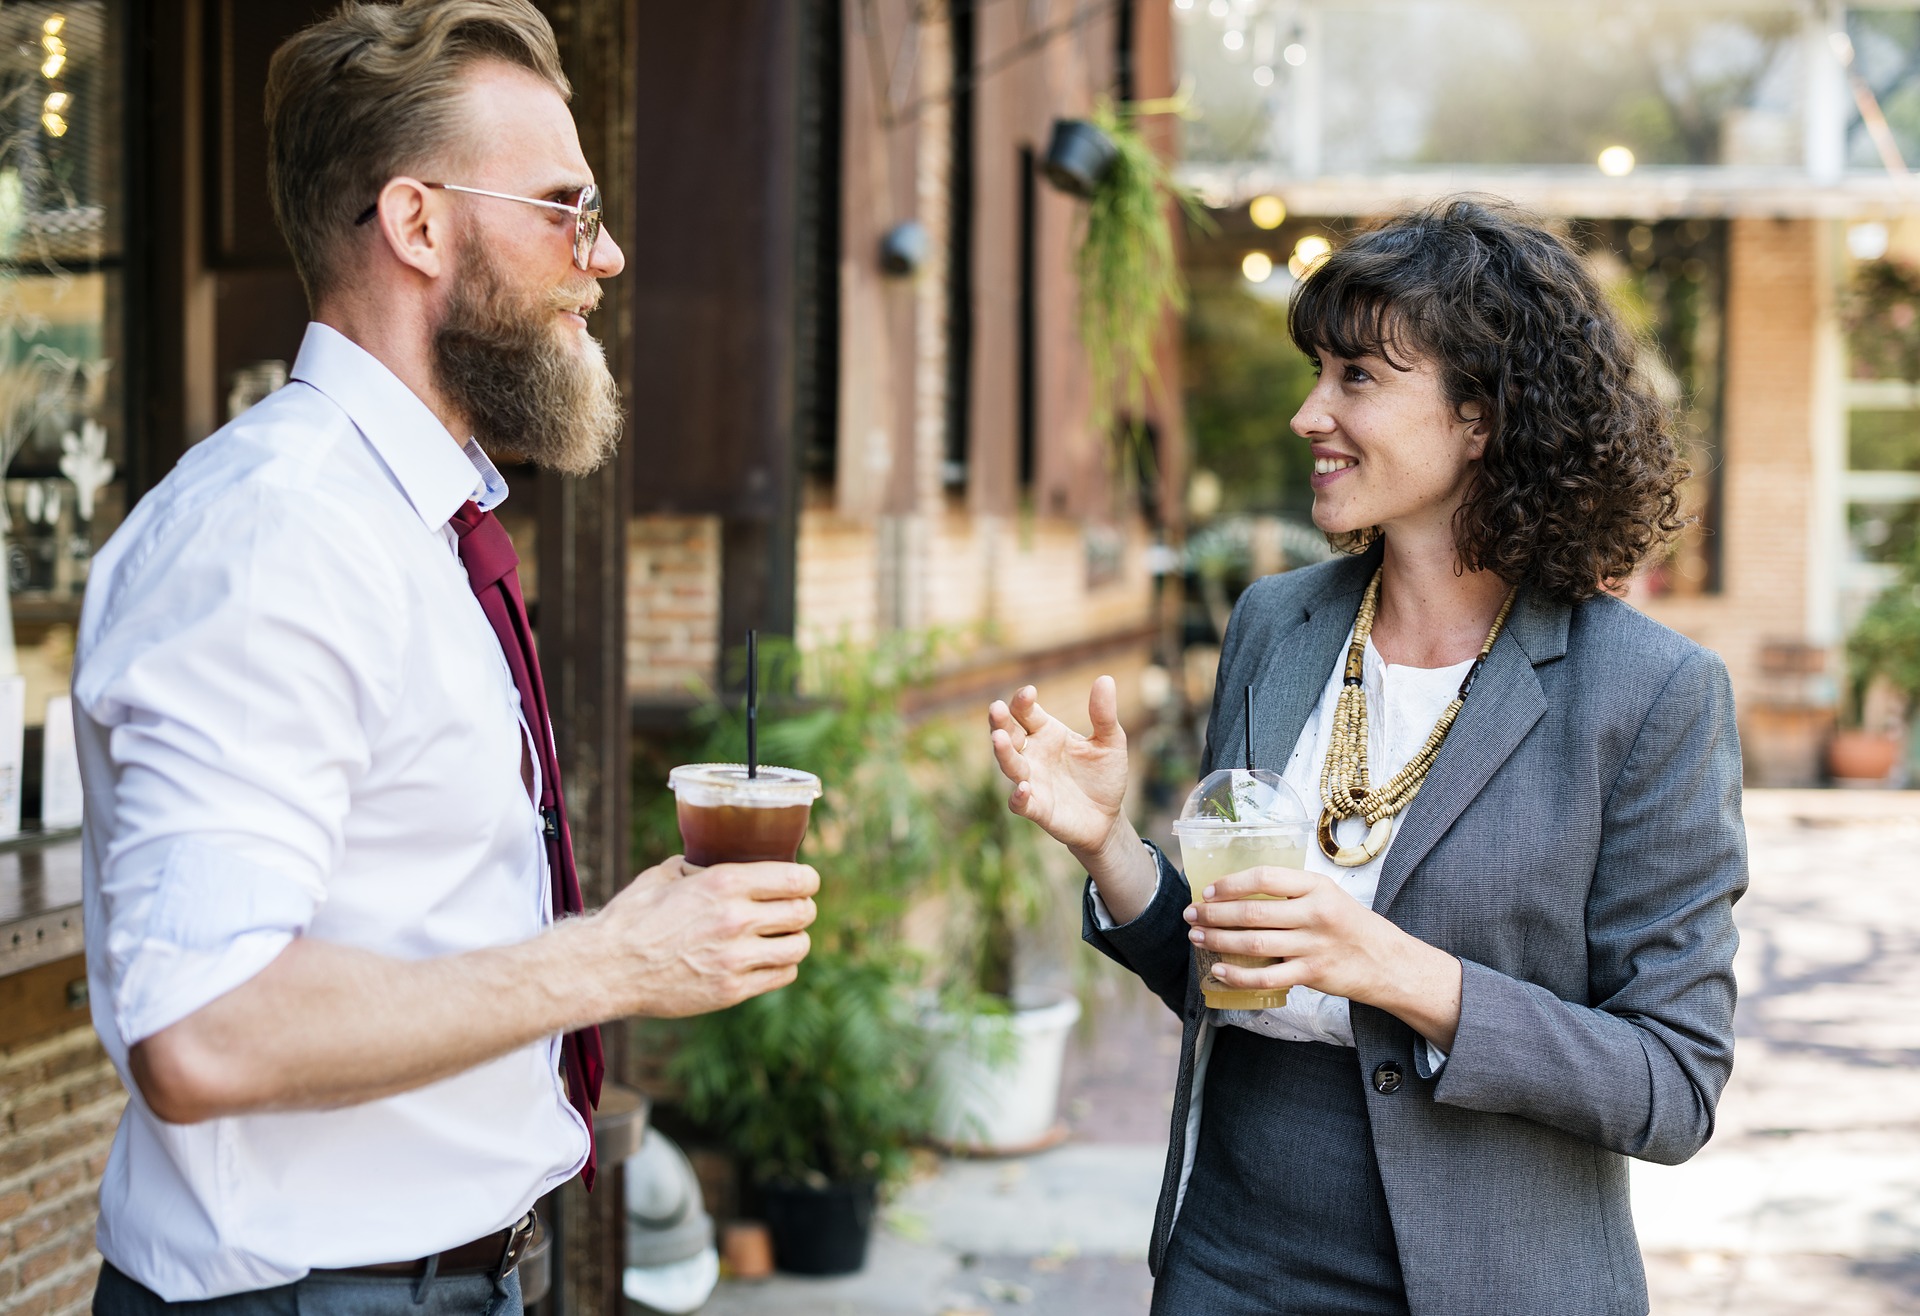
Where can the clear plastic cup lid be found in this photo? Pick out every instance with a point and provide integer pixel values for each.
(1235, 799)
(716, 785)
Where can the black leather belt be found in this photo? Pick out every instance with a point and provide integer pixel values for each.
(495, 1255)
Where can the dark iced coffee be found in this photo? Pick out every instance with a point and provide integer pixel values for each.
(728, 816)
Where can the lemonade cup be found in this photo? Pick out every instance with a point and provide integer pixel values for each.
(1236, 820)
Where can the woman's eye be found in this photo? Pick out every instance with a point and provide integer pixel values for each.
(1355, 375)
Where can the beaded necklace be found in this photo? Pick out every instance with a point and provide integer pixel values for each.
(1343, 778)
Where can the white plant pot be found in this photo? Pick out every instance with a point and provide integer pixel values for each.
(1008, 1107)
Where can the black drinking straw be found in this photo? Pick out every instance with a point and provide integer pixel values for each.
(1249, 728)
(753, 704)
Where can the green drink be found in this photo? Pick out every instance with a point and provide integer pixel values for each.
(1234, 821)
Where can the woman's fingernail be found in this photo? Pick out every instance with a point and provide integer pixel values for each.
(1196, 936)
(1208, 893)
(1190, 914)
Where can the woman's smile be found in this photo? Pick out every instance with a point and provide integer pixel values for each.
(1330, 466)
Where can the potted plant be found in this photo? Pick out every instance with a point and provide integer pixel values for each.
(1128, 269)
(998, 1050)
(1883, 647)
(818, 1090)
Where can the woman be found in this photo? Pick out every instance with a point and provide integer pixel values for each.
(1510, 957)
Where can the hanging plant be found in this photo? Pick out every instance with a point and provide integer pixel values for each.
(1882, 316)
(1128, 269)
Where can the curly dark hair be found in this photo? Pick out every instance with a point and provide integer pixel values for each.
(1578, 483)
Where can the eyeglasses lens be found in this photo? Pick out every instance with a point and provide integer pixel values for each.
(586, 230)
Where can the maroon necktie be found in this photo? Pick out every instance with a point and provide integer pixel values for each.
(492, 566)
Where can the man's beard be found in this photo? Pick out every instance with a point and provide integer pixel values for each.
(498, 358)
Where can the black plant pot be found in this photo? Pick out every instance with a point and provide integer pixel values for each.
(1079, 157)
(819, 1231)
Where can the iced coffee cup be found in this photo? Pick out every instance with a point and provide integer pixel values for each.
(731, 816)
(1235, 820)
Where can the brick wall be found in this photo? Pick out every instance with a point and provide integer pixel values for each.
(1778, 306)
(59, 1102)
(673, 603)
(1024, 578)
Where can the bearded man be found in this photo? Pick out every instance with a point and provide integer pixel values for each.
(327, 868)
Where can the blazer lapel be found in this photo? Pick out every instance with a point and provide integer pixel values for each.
(1291, 672)
(1505, 702)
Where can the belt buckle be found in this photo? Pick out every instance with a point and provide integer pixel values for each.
(517, 1239)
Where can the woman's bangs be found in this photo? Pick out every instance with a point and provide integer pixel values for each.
(1345, 319)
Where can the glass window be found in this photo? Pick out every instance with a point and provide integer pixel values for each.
(1440, 82)
(62, 338)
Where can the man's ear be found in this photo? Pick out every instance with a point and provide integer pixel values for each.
(414, 226)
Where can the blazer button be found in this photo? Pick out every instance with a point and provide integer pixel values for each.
(1386, 1078)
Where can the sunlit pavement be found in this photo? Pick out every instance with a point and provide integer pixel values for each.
(1808, 1198)
(1806, 1203)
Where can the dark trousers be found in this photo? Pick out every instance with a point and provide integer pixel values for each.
(1284, 1212)
(322, 1294)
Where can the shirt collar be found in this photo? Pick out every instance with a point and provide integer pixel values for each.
(436, 473)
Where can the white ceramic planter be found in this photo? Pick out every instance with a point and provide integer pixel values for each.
(1009, 1107)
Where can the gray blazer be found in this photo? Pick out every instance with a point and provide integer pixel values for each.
(1578, 844)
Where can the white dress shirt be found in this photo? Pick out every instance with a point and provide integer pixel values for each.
(293, 719)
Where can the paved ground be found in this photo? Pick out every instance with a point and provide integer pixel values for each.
(1807, 1202)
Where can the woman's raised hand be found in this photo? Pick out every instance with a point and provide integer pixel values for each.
(1073, 786)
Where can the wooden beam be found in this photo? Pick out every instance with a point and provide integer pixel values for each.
(42, 1001)
(582, 552)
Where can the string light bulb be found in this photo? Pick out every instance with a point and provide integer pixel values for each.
(53, 25)
(1616, 162)
(1257, 266)
(1295, 54)
(1233, 39)
(1263, 76)
(1268, 212)
(1308, 252)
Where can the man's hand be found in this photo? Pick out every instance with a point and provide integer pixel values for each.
(325, 1025)
(682, 940)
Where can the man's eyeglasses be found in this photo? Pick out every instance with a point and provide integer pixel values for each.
(585, 211)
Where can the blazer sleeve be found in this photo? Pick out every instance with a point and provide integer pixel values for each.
(1639, 1071)
(1154, 945)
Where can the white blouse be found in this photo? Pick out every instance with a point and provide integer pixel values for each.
(1403, 703)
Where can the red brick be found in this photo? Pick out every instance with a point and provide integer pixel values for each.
(8, 1280)
(71, 1292)
(31, 1233)
(14, 1204)
(32, 1304)
(97, 1088)
(86, 1055)
(37, 1111)
(15, 1079)
(49, 1184)
(37, 1265)
(17, 1156)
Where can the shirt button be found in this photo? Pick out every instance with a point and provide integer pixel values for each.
(1386, 1078)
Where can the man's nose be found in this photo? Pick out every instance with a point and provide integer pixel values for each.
(606, 259)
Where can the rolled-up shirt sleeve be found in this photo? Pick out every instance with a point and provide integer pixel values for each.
(232, 679)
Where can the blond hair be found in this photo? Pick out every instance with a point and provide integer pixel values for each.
(370, 93)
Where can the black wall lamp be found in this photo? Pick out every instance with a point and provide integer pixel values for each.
(1079, 157)
(903, 248)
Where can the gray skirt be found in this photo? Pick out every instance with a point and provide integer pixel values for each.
(1284, 1212)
